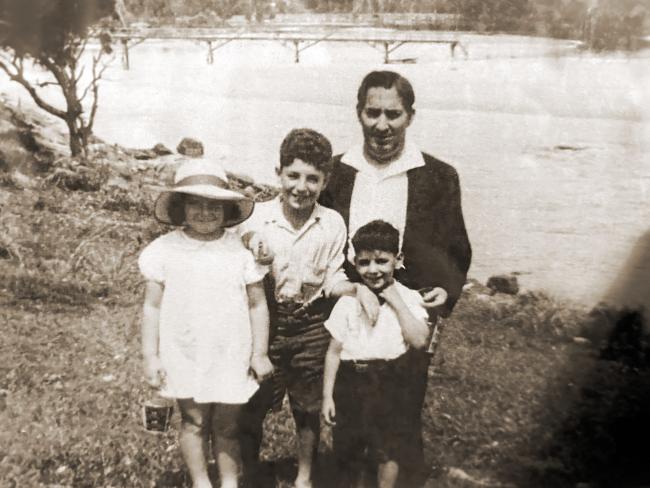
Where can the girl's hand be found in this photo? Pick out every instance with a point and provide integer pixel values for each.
(154, 373)
(261, 367)
(435, 297)
(328, 410)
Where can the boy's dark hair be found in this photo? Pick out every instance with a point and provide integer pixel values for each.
(386, 79)
(308, 145)
(376, 235)
(177, 209)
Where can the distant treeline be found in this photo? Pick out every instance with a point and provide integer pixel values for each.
(602, 24)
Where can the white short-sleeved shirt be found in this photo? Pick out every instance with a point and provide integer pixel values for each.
(205, 340)
(363, 341)
(308, 261)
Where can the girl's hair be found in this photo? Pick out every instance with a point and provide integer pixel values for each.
(177, 209)
(376, 235)
(308, 145)
(388, 80)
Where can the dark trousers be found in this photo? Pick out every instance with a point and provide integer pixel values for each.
(413, 471)
(370, 398)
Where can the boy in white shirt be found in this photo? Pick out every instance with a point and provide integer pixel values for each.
(365, 367)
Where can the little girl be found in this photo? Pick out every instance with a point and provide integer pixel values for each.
(205, 325)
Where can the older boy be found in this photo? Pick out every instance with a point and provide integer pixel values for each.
(366, 364)
(306, 243)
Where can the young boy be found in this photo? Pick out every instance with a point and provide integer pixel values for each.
(305, 241)
(364, 396)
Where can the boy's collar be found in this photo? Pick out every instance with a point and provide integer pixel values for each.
(280, 219)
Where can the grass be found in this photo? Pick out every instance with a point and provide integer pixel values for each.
(513, 399)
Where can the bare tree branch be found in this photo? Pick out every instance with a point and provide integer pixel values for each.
(81, 50)
(67, 86)
(81, 72)
(18, 77)
(95, 86)
(96, 76)
(43, 84)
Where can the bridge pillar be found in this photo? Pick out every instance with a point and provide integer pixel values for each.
(210, 53)
(125, 54)
(296, 46)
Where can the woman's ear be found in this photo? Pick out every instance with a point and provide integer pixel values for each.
(411, 117)
(399, 260)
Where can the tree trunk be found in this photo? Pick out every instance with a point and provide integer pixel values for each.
(76, 138)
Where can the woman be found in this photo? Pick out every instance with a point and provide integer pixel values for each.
(389, 178)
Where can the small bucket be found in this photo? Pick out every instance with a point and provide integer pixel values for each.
(157, 414)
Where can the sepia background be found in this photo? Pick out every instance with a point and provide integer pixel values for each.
(543, 107)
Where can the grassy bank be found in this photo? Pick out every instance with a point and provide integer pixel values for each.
(515, 399)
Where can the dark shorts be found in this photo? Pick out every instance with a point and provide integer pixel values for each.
(297, 351)
(370, 399)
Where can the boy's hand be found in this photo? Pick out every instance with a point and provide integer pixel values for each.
(261, 366)
(328, 410)
(260, 249)
(369, 302)
(435, 297)
(154, 373)
(390, 294)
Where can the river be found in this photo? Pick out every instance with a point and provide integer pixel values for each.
(552, 145)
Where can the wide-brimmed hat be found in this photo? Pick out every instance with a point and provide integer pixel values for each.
(206, 179)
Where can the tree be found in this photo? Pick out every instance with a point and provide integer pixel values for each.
(494, 15)
(53, 35)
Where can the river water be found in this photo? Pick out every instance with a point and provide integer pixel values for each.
(552, 145)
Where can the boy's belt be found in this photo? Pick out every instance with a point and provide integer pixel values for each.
(365, 365)
(289, 312)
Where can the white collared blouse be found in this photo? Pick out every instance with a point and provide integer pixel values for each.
(380, 193)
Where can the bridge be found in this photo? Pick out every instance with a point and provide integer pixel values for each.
(385, 40)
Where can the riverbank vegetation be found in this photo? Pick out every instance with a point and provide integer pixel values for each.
(525, 390)
(602, 25)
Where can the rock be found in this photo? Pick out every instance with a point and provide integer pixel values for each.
(75, 180)
(161, 150)
(190, 147)
(21, 180)
(117, 182)
(144, 154)
(244, 180)
(5, 253)
(581, 340)
(474, 286)
(4, 164)
(504, 284)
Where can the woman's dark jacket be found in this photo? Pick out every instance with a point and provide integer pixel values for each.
(435, 246)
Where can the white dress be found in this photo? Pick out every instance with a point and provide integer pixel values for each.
(205, 339)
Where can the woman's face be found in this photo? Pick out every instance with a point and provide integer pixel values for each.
(203, 216)
(384, 120)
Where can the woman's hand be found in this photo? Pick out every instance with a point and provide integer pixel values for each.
(328, 409)
(261, 366)
(435, 297)
(154, 373)
(260, 249)
(369, 302)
